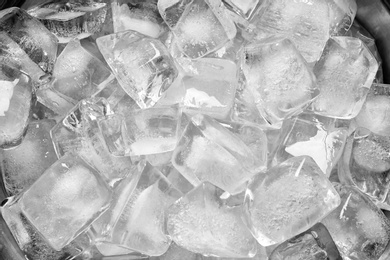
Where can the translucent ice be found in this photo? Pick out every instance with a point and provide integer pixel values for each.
(142, 65)
(245, 8)
(344, 74)
(287, 200)
(65, 200)
(359, 229)
(342, 13)
(200, 223)
(281, 82)
(15, 104)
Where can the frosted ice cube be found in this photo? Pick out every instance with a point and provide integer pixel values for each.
(209, 152)
(307, 196)
(71, 19)
(23, 165)
(359, 229)
(219, 230)
(319, 137)
(140, 16)
(142, 65)
(375, 113)
(305, 23)
(39, 44)
(15, 105)
(68, 197)
(344, 74)
(279, 78)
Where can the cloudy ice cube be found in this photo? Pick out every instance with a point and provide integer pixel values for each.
(15, 105)
(71, 19)
(39, 44)
(219, 230)
(142, 65)
(375, 113)
(279, 78)
(68, 197)
(23, 165)
(344, 74)
(307, 196)
(359, 229)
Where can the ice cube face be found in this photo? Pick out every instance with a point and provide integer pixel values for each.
(71, 19)
(140, 16)
(316, 243)
(305, 23)
(274, 216)
(200, 26)
(142, 65)
(15, 105)
(209, 152)
(319, 137)
(359, 229)
(344, 74)
(138, 215)
(39, 44)
(279, 78)
(366, 165)
(212, 90)
(374, 114)
(65, 200)
(23, 165)
(219, 230)
(342, 13)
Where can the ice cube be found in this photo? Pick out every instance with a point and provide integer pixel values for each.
(279, 78)
(200, 223)
(344, 74)
(71, 19)
(15, 104)
(23, 165)
(307, 196)
(375, 114)
(65, 200)
(342, 13)
(139, 226)
(177, 179)
(319, 137)
(54, 100)
(176, 252)
(245, 8)
(359, 229)
(140, 16)
(142, 65)
(209, 152)
(211, 92)
(305, 23)
(39, 44)
(200, 26)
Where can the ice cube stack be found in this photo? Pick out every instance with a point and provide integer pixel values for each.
(193, 129)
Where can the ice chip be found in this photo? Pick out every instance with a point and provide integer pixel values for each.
(200, 223)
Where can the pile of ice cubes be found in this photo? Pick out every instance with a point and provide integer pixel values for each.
(194, 129)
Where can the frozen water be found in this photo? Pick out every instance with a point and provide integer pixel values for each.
(209, 152)
(71, 19)
(39, 44)
(342, 13)
(177, 179)
(245, 8)
(212, 90)
(172, 10)
(142, 65)
(375, 114)
(307, 196)
(140, 16)
(200, 223)
(65, 200)
(305, 23)
(344, 74)
(318, 137)
(54, 100)
(281, 82)
(23, 165)
(15, 105)
(359, 229)
(176, 252)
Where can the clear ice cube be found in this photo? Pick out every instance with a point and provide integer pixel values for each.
(142, 65)
(344, 74)
(281, 82)
(245, 8)
(307, 196)
(342, 13)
